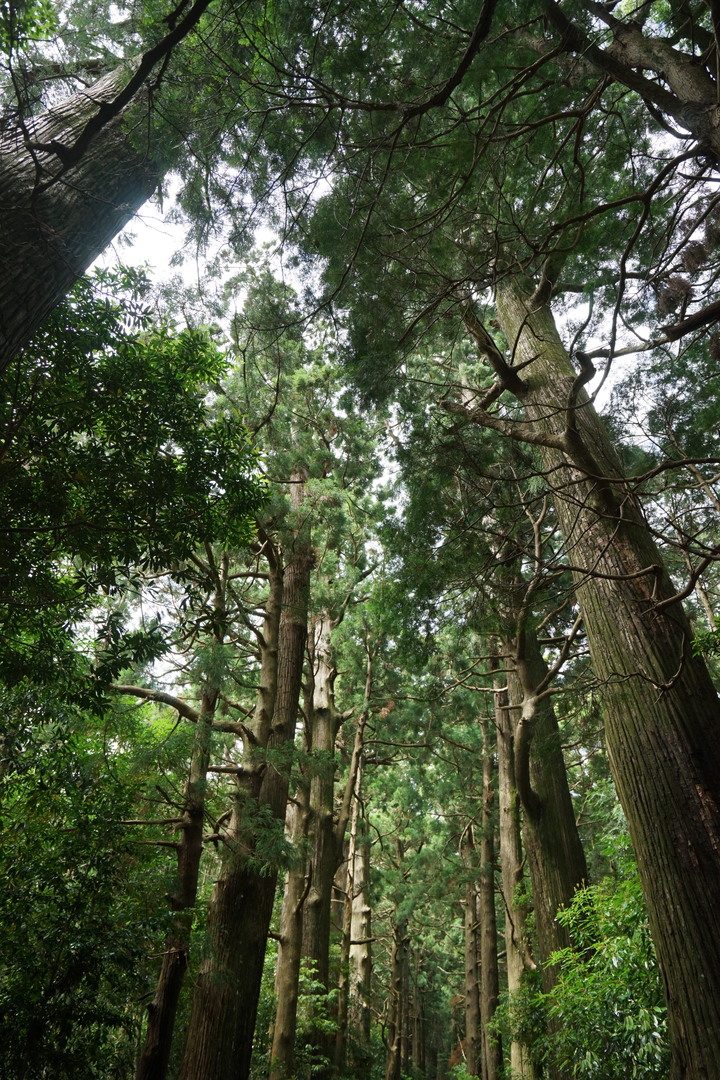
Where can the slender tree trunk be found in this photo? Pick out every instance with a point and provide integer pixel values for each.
(418, 1022)
(224, 1010)
(287, 971)
(473, 1036)
(361, 938)
(489, 977)
(396, 998)
(162, 1010)
(355, 881)
(661, 711)
(324, 855)
(517, 949)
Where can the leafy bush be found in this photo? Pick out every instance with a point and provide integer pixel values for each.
(608, 1002)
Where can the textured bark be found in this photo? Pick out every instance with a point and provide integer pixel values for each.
(224, 1010)
(55, 221)
(517, 950)
(489, 977)
(661, 710)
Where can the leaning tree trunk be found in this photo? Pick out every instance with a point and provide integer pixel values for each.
(57, 219)
(662, 719)
(71, 178)
(224, 1009)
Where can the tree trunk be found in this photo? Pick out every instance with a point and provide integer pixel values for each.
(287, 971)
(396, 999)
(660, 707)
(489, 979)
(554, 850)
(324, 855)
(162, 1010)
(517, 949)
(224, 1010)
(361, 936)
(56, 221)
(473, 1037)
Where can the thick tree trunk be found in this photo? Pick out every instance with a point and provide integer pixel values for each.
(489, 977)
(517, 949)
(55, 221)
(661, 710)
(224, 1010)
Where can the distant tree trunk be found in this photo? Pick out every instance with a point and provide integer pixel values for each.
(356, 921)
(162, 1010)
(287, 971)
(418, 1022)
(489, 977)
(324, 853)
(360, 956)
(517, 948)
(662, 718)
(154, 1057)
(473, 1035)
(396, 1001)
(224, 1010)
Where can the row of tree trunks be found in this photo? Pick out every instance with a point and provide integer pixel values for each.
(662, 719)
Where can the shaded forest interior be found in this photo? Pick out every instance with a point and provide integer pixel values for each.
(359, 589)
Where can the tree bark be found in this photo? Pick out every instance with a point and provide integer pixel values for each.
(489, 977)
(224, 1010)
(287, 971)
(396, 999)
(661, 710)
(473, 1037)
(55, 221)
(554, 850)
(517, 949)
(360, 956)
(324, 850)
